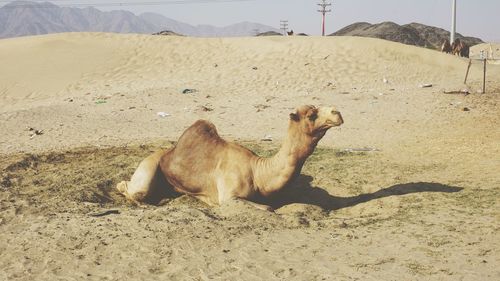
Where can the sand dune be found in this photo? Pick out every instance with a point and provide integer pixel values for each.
(43, 67)
(138, 76)
(418, 203)
(489, 50)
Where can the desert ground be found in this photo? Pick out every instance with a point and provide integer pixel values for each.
(407, 188)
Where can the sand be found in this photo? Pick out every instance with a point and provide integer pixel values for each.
(418, 202)
(488, 50)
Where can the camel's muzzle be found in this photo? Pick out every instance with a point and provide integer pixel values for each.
(336, 119)
(329, 117)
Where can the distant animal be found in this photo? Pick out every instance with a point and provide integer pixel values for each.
(446, 46)
(290, 33)
(464, 50)
(454, 45)
(204, 165)
(459, 48)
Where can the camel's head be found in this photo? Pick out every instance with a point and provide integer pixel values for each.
(315, 121)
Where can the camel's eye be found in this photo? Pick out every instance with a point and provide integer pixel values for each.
(313, 116)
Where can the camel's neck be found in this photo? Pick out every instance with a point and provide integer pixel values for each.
(272, 174)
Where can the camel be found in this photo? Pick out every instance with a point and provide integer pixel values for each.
(205, 166)
(459, 48)
(446, 47)
(463, 50)
(454, 46)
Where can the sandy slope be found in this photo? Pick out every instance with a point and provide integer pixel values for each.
(424, 206)
(138, 76)
(490, 50)
(44, 67)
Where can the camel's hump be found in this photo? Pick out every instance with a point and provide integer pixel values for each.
(200, 131)
(205, 127)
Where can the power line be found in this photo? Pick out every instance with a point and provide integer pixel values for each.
(284, 26)
(323, 12)
(114, 4)
(46, 1)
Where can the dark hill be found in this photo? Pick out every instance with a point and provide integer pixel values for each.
(270, 33)
(411, 34)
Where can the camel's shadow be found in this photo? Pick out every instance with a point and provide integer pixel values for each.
(301, 191)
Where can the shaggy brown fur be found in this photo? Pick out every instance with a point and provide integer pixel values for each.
(446, 47)
(459, 48)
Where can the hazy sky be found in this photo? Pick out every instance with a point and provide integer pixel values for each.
(479, 18)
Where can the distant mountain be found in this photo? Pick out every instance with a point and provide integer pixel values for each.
(21, 18)
(411, 34)
(29, 18)
(238, 29)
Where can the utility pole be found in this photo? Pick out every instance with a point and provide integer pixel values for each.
(284, 26)
(323, 12)
(453, 21)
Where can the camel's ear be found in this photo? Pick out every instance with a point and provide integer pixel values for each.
(294, 116)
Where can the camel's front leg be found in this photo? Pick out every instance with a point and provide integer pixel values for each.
(231, 189)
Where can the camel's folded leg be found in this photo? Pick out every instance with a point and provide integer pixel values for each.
(144, 180)
(225, 196)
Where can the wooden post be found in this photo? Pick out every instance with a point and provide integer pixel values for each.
(484, 76)
(467, 73)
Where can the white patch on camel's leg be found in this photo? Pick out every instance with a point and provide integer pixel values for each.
(221, 190)
(142, 181)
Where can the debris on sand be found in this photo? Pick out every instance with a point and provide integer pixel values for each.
(425, 86)
(189, 91)
(163, 114)
(267, 138)
(461, 92)
(35, 132)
